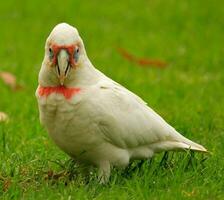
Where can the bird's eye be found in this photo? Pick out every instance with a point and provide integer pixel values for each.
(51, 53)
(76, 54)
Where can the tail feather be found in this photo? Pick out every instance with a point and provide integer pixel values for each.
(191, 145)
(176, 145)
(195, 146)
(177, 141)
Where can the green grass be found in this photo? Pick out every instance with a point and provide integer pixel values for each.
(188, 94)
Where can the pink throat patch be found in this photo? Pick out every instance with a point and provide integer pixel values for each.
(66, 92)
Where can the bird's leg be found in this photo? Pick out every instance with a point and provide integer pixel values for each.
(139, 164)
(104, 172)
(164, 159)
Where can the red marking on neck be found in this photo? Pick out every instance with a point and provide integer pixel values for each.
(67, 92)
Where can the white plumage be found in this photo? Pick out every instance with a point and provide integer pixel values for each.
(92, 118)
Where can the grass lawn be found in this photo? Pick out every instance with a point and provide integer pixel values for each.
(188, 94)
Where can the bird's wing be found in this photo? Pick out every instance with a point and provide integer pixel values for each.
(127, 122)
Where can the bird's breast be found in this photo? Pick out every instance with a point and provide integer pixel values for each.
(57, 106)
(59, 113)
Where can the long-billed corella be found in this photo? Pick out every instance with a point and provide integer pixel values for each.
(91, 117)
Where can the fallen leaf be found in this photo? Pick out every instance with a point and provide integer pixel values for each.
(141, 61)
(6, 185)
(4, 117)
(10, 80)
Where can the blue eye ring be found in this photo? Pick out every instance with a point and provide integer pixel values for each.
(76, 54)
(51, 54)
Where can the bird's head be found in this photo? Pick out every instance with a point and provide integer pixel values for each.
(64, 53)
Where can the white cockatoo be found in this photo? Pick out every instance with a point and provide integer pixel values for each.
(91, 117)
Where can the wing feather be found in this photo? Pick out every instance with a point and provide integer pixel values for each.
(126, 120)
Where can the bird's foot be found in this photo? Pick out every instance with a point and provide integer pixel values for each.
(104, 172)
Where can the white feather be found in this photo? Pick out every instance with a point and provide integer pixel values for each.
(105, 124)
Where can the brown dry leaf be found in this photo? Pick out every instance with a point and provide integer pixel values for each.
(6, 185)
(10, 80)
(4, 117)
(141, 61)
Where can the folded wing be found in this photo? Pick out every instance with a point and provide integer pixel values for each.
(127, 122)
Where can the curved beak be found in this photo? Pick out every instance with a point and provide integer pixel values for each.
(63, 65)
